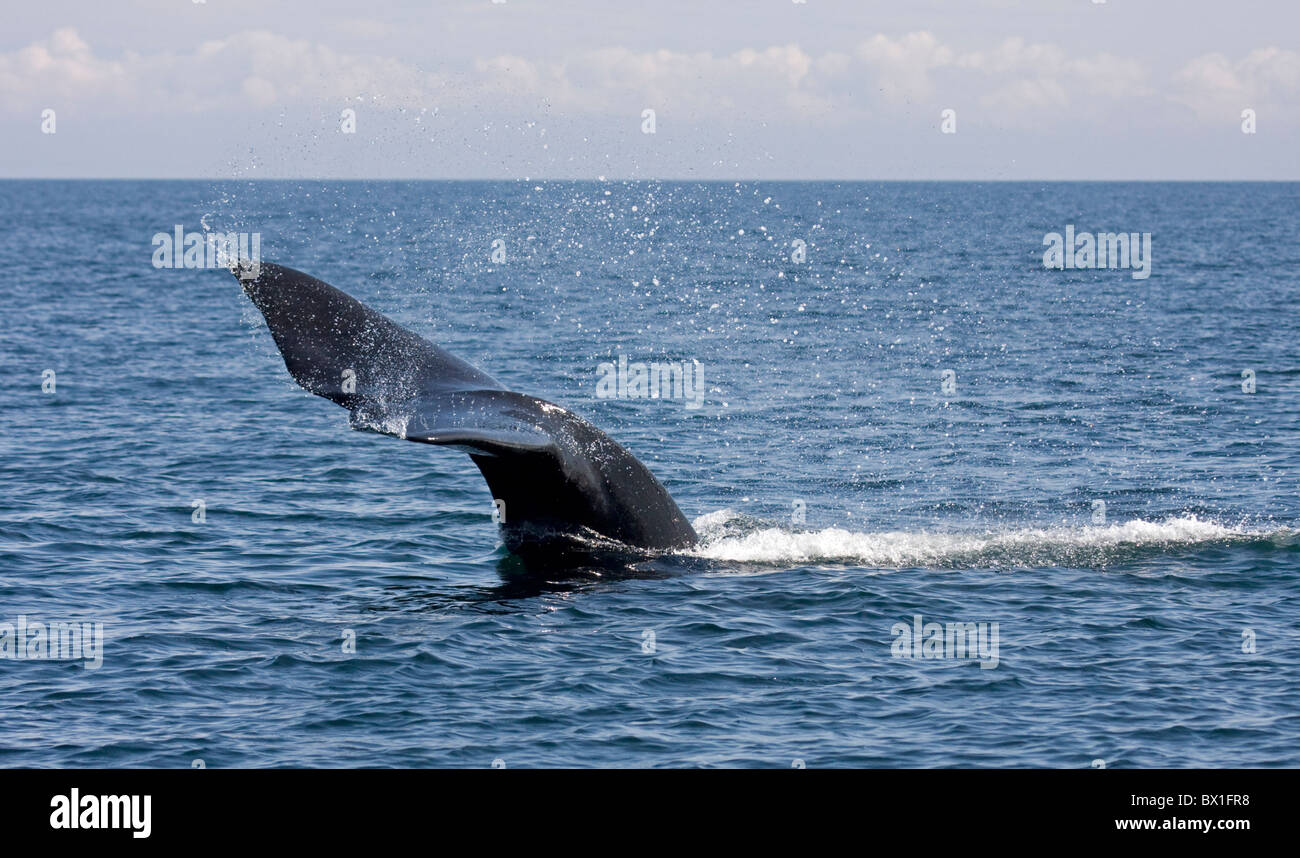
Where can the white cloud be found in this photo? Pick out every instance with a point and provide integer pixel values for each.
(777, 80)
(1215, 88)
(256, 68)
(60, 66)
(1020, 81)
(903, 67)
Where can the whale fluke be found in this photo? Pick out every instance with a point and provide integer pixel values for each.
(567, 487)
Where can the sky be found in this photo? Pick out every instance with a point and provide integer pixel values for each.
(555, 89)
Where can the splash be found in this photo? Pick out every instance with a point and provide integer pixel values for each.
(728, 537)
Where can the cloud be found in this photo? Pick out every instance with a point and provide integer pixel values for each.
(903, 67)
(1215, 87)
(256, 68)
(776, 80)
(61, 66)
(1014, 81)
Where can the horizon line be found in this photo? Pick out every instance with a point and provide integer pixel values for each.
(625, 179)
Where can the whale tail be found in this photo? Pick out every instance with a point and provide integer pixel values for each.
(560, 485)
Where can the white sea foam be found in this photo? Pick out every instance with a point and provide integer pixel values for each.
(727, 537)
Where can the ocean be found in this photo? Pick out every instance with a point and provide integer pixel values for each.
(911, 435)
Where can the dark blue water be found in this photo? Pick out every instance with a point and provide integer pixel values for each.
(1162, 635)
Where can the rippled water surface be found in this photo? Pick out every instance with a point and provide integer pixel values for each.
(839, 491)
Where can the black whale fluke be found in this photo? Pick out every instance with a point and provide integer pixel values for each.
(566, 487)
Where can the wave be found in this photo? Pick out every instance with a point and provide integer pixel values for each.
(727, 536)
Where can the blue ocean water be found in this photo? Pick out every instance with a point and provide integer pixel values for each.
(918, 419)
